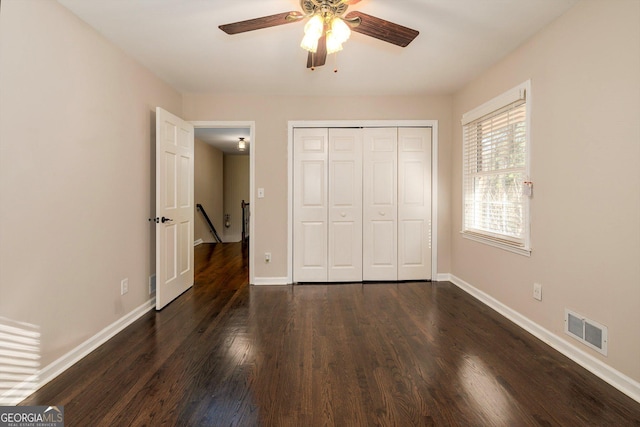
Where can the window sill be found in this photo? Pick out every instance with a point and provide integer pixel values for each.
(497, 244)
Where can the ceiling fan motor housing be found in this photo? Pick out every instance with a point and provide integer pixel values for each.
(327, 8)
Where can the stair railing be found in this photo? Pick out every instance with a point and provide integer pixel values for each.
(245, 220)
(211, 227)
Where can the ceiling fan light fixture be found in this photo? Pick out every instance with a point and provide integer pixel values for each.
(340, 30)
(315, 26)
(312, 32)
(333, 43)
(310, 43)
(242, 145)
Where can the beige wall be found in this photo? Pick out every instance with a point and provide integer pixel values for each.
(236, 189)
(76, 137)
(271, 115)
(208, 190)
(585, 106)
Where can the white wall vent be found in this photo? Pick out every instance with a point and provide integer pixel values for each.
(588, 332)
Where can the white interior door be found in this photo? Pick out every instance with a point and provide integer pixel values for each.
(414, 203)
(380, 208)
(174, 207)
(310, 205)
(345, 205)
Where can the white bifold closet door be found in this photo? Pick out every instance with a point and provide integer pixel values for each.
(345, 205)
(310, 205)
(327, 205)
(414, 203)
(380, 204)
(362, 204)
(397, 204)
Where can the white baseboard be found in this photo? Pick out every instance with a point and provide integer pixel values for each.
(617, 379)
(60, 365)
(263, 281)
(443, 277)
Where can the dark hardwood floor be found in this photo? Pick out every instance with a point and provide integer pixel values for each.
(423, 354)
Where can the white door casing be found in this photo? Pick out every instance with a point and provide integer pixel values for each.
(345, 205)
(380, 208)
(414, 203)
(174, 207)
(310, 211)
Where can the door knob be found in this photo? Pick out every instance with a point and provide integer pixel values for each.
(382, 213)
(343, 214)
(165, 220)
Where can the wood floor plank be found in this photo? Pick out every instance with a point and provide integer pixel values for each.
(406, 354)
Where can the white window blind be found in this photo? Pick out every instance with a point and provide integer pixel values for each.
(494, 170)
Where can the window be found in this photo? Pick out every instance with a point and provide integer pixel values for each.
(496, 185)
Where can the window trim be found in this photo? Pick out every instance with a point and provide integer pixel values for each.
(521, 91)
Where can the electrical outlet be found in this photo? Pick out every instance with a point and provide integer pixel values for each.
(267, 257)
(537, 291)
(124, 286)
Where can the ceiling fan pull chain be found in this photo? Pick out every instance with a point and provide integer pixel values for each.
(335, 62)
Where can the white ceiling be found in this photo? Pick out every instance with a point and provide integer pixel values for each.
(179, 41)
(224, 139)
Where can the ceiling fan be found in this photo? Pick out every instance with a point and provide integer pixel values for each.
(328, 27)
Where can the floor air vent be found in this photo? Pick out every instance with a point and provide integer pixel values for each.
(590, 333)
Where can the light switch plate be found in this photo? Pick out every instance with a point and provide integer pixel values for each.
(537, 291)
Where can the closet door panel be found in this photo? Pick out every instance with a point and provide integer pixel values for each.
(345, 205)
(414, 203)
(310, 205)
(383, 254)
(380, 204)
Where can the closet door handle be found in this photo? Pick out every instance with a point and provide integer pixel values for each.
(343, 214)
(382, 213)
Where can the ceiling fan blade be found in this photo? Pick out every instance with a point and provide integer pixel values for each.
(381, 29)
(319, 58)
(351, 2)
(263, 22)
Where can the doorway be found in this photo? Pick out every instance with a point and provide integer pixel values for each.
(223, 138)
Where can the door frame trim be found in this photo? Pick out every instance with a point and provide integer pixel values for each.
(252, 167)
(292, 124)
